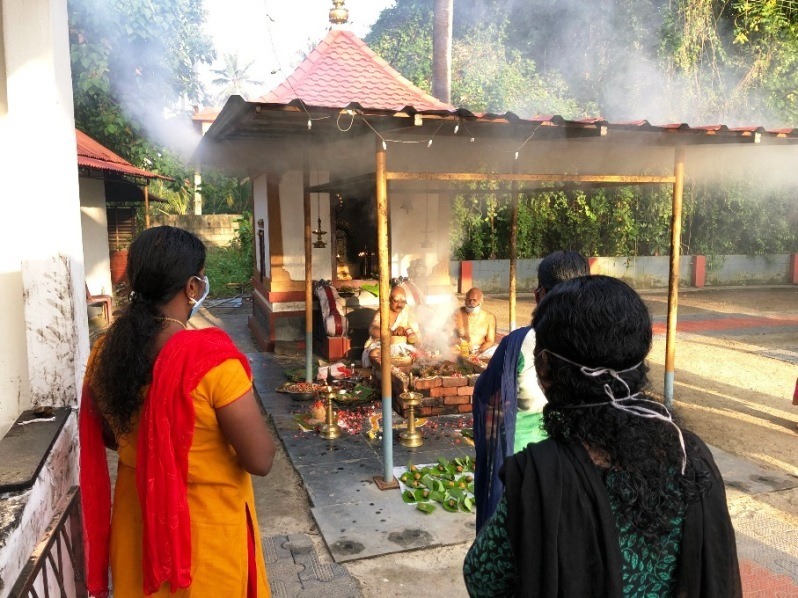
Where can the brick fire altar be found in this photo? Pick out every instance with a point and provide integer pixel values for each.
(440, 394)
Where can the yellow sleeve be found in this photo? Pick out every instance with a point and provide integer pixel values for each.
(224, 384)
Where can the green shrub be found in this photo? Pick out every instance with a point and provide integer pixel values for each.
(228, 270)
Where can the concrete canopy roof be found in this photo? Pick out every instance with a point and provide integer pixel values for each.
(250, 136)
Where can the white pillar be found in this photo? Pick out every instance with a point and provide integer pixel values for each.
(43, 328)
(197, 192)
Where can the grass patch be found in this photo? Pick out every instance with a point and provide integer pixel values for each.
(228, 268)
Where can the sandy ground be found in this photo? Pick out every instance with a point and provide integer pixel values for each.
(726, 390)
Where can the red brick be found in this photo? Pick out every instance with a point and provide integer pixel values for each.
(465, 390)
(433, 402)
(424, 383)
(464, 408)
(449, 392)
(453, 381)
(436, 392)
(457, 400)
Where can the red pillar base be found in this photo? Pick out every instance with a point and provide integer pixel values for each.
(793, 279)
(336, 348)
(466, 277)
(698, 275)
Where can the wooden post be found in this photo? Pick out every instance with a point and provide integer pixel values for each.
(308, 272)
(147, 205)
(385, 332)
(513, 245)
(673, 282)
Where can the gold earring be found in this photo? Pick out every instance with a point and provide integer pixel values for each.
(192, 301)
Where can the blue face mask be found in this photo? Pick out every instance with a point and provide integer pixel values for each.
(197, 302)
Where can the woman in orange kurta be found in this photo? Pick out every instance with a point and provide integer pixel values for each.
(183, 519)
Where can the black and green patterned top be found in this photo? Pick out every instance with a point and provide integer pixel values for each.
(489, 567)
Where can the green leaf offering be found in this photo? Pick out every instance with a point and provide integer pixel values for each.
(451, 504)
(425, 507)
(467, 504)
(409, 496)
(298, 375)
(428, 482)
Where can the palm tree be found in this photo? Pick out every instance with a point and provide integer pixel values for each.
(442, 50)
(233, 79)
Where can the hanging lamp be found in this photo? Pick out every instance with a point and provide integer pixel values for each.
(319, 243)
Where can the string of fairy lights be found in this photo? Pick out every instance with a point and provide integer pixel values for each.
(353, 114)
(428, 141)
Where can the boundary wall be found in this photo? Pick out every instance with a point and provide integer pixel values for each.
(647, 272)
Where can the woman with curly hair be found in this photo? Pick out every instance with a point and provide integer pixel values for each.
(178, 406)
(618, 501)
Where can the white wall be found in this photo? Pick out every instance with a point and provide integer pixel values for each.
(94, 225)
(42, 298)
(43, 328)
(411, 215)
(293, 224)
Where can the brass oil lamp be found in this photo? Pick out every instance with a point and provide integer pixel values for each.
(330, 430)
(411, 438)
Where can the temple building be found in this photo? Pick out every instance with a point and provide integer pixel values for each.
(341, 72)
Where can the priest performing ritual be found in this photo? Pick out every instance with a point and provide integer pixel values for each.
(404, 331)
(474, 327)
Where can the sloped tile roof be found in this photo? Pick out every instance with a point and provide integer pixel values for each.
(92, 154)
(342, 70)
(206, 115)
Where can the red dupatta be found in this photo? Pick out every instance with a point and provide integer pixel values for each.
(166, 431)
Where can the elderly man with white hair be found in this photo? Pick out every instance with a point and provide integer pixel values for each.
(404, 330)
(475, 326)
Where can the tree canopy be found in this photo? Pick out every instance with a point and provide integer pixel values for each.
(234, 78)
(134, 72)
(695, 61)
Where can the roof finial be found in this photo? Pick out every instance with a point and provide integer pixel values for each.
(339, 14)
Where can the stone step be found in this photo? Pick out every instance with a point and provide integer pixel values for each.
(294, 570)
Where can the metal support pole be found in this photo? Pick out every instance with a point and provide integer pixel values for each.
(513, 246)
(673, 281)
(385, 332)
(147, 205)
(308, 273)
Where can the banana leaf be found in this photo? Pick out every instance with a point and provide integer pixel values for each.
(374, 289)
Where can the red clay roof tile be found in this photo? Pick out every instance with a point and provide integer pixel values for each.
(92, 154)
(341, 70)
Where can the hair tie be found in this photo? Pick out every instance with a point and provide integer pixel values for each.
(653, 412)
(137, 298)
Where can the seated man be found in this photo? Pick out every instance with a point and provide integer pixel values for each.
(475, 327)
(404, 330)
